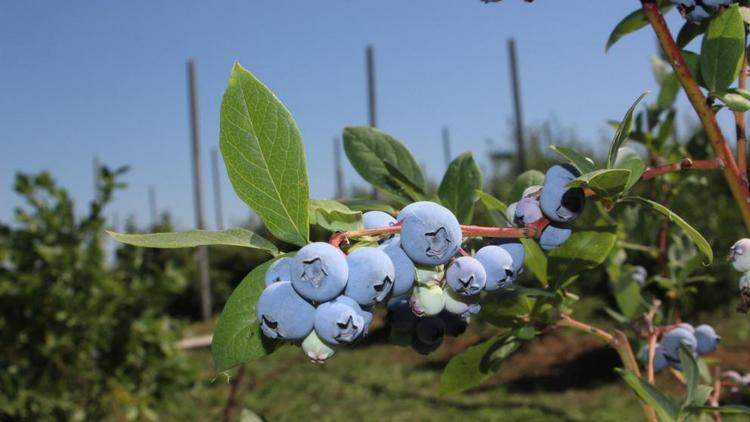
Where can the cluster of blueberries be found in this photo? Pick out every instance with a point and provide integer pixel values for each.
(323, 298)
(700, 340)
(697, 11)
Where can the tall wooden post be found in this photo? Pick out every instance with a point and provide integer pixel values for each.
(447, 146)
(152, 206)
(520, 150)
(371, 94)
(339, 172)
(205, 282)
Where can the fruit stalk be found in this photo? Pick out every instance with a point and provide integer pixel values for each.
(685, 164)
(732, 174)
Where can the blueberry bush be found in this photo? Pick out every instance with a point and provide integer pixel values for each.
(428, 262)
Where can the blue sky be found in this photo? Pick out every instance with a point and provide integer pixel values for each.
(107, 79)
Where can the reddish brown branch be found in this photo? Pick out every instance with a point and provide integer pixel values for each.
(686, 164)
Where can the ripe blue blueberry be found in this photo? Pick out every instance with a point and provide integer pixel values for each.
(739, 255)
(697, 15)
(316, 349)
(427, 300)
(281, 270)
(430, 234)
(364, 313)
(283, 314)
(671, 341)
(400, 315)
(338, 322)
(410, 209)
(713, 5)
(553, 236)
(527, 211)
(459, 305)
(455, 325)
(498, 264)
(560, 203)
(377, 219)
(660, 361)
(466, 276)
(517, 252)
(319, 272)
(686, 326)
(707, 339)
(371, 275)
(428, 335)
(640, 275)
(402, 265)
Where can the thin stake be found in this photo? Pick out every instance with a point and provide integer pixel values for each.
(217, 189)
(96, 175)
(339, 172)
(371, 95)
(447, 146)
(520, 150)
(152, 205)
(205, 282)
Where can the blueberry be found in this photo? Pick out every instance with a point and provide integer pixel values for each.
(338, 322)
(377, 219)
(365, 314)
(428, 335)
(707, 339)
(739, 255)
(283, 314)
(686, 326)
(671, 341)
(400, 315)
(411, 209)
(319, 272)
(466, 276)
(460, 305)
(558, 202)
(532, 191)
(430, 234)
(527, 211)
(280, 270)
(403, 266)
(660, 361)
(427, 300)
(510, 213)
(455, 325)
(498, 264)
(713, 5)
(553, 236)
(316, 349)
(371, 275)
(640, 275)
(517, 252)
(400, 337)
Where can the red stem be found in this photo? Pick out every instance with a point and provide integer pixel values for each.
(686, 164)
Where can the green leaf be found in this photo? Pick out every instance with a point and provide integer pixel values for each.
(631, 23)
(586, 249)
(368, 205)
(368, 149)
(457, 191)
(191, 238)
(334, 216)
(605, 182)
(627, 294)
(237, 337)
(476, 364)
(663, 405)
(264, 155)
(493, 204)
(690, 370)
(697, 238)
(535, 260)
(408, 188)
(702, 392)
(692, 60)
(523, 181)
(722, 49)
(689, 31)
(668, 92)
(628, 159)
(582, 163)
(623, 131)
(735, 99)
(732, 409)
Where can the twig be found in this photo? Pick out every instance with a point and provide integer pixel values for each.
(685, 164)
(739, 124)
(653, 333)
(704, 111)
(231, 404)
(715, 396)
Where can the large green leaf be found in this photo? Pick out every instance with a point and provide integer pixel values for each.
(628, 159)
(493, 204)
(523, 181)
(237, 337)
(398, 179)
(457, 191)
(692, 376)
(583, 164)
(689, 31)
(368, 149)
(535, 260)
(476, 364)
(265, 157)
(697, 238)
(722, 49)
(191, 238)
(665, 408)
(585, 250)
(605, 182)
(623, 132)
(631, 23)
(735, 99)
(334, 216)
(627, 294)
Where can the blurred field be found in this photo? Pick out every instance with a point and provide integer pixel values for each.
(563, 376)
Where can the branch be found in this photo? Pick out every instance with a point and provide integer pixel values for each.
(685, 164)
(739, 124)
(698, 101)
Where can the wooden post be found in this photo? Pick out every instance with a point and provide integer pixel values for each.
(152, 206)
(217, 189)
(339, 172)
(371, 97)
(520, 150)
(446, 146)
(96, 176)
(205, 282)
